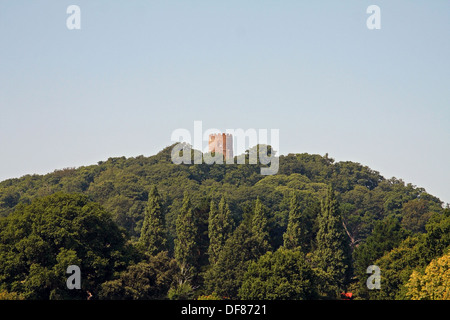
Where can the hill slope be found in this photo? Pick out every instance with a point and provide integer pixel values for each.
(331, 211)
(121, 185)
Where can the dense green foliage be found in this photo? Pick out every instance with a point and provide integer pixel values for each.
(149, 279)
(331, 256)
(294, 235)
(186, 245)
(153, 237)
(414, 253)
(386, 235)
(260, 228)
(282, 275)
(39, 241)
(220, 227)
(145, 228)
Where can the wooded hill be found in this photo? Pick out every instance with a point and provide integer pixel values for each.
(145, 228)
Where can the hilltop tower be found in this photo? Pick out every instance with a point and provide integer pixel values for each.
(221, 143)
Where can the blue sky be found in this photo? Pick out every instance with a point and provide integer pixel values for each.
(137, 70)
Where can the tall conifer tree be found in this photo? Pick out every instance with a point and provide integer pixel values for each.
(153, 233)
(331, 256)
(225, 276)
(185, 244)
(294, 235)
(260, 228)
(220, 226)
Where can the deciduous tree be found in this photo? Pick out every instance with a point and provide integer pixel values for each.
(282, 275)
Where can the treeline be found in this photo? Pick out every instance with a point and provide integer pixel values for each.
(144, 228)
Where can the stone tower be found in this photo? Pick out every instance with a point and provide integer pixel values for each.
(221, 143)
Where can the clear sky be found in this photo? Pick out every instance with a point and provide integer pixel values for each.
(138, 70)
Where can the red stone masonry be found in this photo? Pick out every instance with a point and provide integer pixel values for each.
(221, 143)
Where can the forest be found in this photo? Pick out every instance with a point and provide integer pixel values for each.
(143, 228)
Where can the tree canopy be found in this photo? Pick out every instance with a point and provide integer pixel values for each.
(39, 241)
(146, 228)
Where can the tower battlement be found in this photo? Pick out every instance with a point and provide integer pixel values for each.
(221, 143)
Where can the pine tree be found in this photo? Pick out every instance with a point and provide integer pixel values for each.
(331, 256)
(185, 244)
(294, 235)
(213, 233)
(201, 216)
(220, 226)
(386, 235)
(247, 243)
(224, 278)
(260, 228)
(153, 233)
(226, 218)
